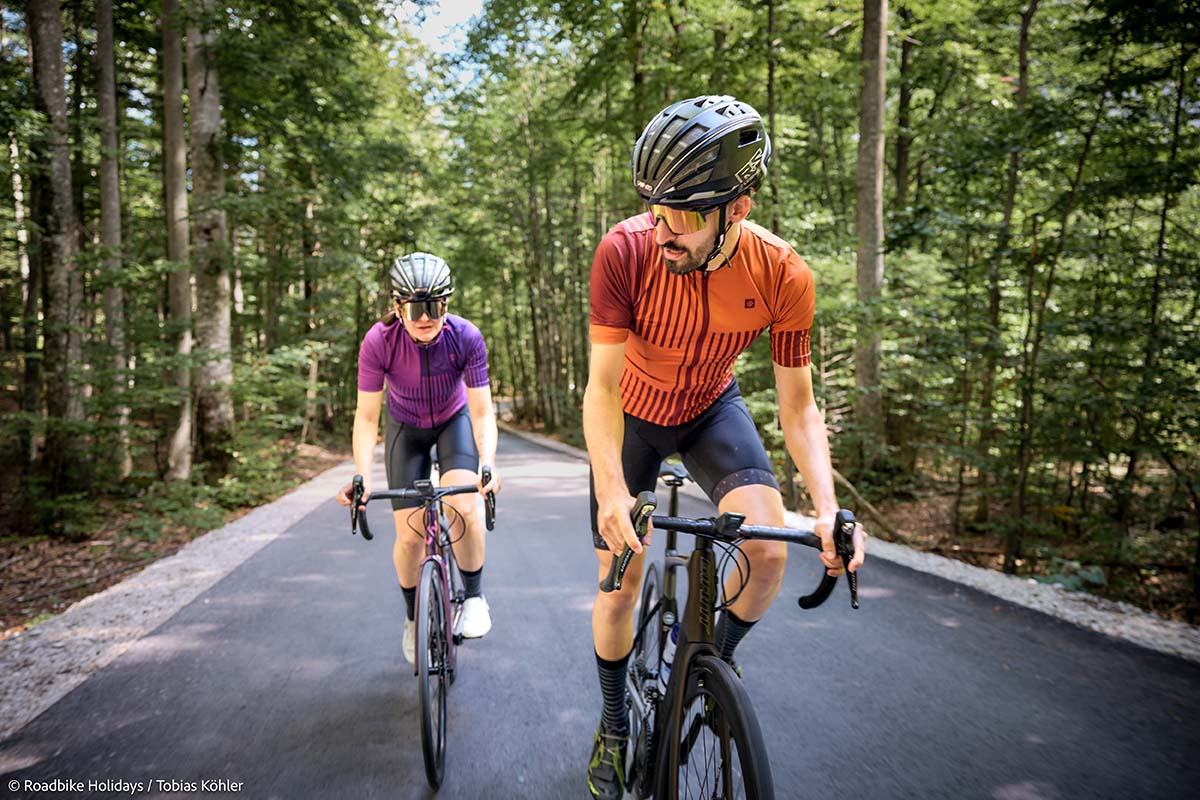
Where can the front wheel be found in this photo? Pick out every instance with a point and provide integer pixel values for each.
(718, 750)
(644, 668)
(432, 655)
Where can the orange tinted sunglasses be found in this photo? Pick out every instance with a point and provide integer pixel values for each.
(680, 221)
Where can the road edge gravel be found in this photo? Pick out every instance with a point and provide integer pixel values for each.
(43, 664)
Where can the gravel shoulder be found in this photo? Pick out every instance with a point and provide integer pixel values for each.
(41, 665)
(46, 662)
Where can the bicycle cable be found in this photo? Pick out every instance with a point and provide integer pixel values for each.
(730, 552)
(448, 509)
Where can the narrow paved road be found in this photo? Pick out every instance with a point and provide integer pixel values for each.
(286, 678)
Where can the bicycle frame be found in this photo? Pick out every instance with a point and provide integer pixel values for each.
(443, 557)
(695, 636)
(696, 630)
(434, 553)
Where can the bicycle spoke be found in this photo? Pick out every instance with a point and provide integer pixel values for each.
(710, 764)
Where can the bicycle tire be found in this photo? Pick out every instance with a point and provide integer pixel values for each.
(718, 750)
(457, 591)
(645, 665)
(431, 672)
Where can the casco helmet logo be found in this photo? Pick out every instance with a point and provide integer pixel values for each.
(643, 185)
(747, 173)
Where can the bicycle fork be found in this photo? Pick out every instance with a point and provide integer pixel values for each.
(695, 639)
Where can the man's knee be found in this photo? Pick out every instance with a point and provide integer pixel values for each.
(769, 560)
(619, 604)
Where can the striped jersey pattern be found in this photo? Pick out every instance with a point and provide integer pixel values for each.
(682, 333)
(426, 384)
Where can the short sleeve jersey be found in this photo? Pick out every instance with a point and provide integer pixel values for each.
(426, 385)
(682, 333)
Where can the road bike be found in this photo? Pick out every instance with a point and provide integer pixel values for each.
(440, 596)
(693, 730)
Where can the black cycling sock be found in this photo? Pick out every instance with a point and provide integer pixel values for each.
(410, 598)
(472, 581)
(729, 633)
(612, 686)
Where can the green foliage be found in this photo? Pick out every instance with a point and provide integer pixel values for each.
(349, 143)
(1073, 575)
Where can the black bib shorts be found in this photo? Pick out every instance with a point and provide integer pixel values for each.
(407, 451)
(721, 449)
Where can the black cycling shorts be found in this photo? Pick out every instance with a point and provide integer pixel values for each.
(721, 449)
(408, 457)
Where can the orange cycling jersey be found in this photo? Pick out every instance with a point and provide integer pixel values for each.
(682, 333)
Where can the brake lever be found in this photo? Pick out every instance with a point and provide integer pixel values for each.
(489, 500)
(643, 507)
(843, 540)
(357, 516)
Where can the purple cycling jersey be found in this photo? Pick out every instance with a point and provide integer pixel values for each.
(426, 384)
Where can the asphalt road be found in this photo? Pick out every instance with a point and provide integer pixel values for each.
(285, 680)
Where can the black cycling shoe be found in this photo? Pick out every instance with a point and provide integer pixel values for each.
(606, 770)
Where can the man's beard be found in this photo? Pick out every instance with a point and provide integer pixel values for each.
(691, 261)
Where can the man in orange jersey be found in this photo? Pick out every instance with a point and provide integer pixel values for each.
(677, 293)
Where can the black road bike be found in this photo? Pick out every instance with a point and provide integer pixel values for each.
(694, 733)
(440, 596)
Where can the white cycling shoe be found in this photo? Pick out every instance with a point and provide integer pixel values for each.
(410, 641)
(476, 618)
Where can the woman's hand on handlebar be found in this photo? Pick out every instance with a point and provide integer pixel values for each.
(347, 491)
(829, 555)
(491, 487)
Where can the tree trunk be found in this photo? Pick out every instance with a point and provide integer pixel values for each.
(110, 231)
(994, 346)
(904, 137)
(31, 289)
(869, 228)
(63, 347)
(677, 44)
(636, 20)
(18, 188)
(772, 59)
(312, 249)
(179, 282)
(818, 129)
(31, 383)
(214, 375)
(79, 170)
(18, 194)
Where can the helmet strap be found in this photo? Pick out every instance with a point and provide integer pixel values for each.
(720, 241)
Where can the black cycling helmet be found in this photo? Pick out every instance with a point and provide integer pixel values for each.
(701, 153)
(420, 276)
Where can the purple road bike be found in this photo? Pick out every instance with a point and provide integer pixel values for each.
(440, 596)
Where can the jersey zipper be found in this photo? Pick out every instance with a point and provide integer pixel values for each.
(428, 382)
(695, 367)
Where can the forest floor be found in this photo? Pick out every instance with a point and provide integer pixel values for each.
(1153, 571)
(44, 576)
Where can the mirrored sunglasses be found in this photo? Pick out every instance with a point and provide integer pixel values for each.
(413, 310)
(680, 221)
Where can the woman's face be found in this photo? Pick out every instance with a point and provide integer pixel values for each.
(425, 329)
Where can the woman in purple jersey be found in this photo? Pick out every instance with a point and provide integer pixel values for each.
(434, 366)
